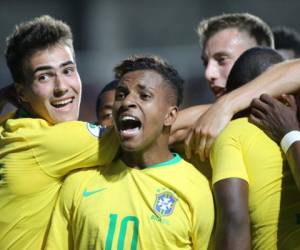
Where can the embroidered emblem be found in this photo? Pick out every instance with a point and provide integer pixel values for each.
(96, 130)
(165, 203)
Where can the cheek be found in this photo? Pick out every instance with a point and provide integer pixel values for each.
(75, 84)
(36, 94)
(228, 68)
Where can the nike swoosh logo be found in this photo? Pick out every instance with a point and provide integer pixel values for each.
(89, 193)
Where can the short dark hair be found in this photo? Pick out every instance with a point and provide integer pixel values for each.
(251, 64)
(29, 37)
(245, 22)
(287, 38)
(142, 62)
(108, 87)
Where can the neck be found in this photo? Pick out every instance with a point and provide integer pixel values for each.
(142, 159)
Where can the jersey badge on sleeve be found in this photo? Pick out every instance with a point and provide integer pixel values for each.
(164, 203)
(96, 130)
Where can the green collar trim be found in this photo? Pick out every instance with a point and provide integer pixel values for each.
(176, 158)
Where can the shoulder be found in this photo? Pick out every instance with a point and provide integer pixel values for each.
(240, 126)
(192, 176)
(79, 176)
(240, 132)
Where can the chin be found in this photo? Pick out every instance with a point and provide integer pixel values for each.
(130, 147)
(64, 119)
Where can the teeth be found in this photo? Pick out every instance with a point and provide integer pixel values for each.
(126, 118)
(62, 102)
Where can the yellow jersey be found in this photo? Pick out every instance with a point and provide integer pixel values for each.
(244, 151)
(165, 206)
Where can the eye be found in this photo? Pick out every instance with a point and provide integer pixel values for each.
(120, 95)
(222, 60)
(145, 96)
(43, 77)
(69, 70)
(107, 116)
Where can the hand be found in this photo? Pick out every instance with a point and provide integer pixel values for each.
(274, 117)
(201, 137)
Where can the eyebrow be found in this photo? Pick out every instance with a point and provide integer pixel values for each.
(41, 68)
(107, 106)
(218, 54)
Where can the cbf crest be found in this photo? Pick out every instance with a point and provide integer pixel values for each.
(164, 203)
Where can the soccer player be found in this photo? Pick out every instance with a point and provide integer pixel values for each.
(224, 38)
(41, 142)
(148, 198)
(105, 102)
(257, 200)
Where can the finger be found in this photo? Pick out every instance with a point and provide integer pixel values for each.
(255, 120)
(201, 147)
(291, 101)
(197, 139)
(267, 99)
(208, 146)
(187, 144)
(257, 113)
(260, 105)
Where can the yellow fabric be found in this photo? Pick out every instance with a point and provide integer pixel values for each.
(34, 157)
(244, 151)
(122, 200)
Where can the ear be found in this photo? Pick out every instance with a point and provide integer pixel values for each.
(171, 116)
(20, 90)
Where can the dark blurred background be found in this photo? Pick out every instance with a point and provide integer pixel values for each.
(107, 31)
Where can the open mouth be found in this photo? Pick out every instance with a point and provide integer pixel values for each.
(62, 103)
(129, 126)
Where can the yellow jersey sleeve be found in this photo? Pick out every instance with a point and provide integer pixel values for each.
(226, 156)
(57, 149)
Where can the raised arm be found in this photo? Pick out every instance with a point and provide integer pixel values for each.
(280, 78)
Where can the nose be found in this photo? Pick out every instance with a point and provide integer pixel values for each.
(211, 73)
(60, 88)
(129, 101)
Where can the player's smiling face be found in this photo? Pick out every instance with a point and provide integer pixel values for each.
(141, 110)
(54, 92)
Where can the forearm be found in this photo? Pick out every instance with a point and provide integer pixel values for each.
(188, 116)
(233, 236)
(279, 79)
(293, 157)
(186, 119)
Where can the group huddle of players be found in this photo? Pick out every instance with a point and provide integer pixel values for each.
(125, 182)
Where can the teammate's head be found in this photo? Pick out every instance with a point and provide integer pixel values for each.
(146, 102)
(287, 42)
(40, 57)
(105, 102)
(251, 64)
(224, 38)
